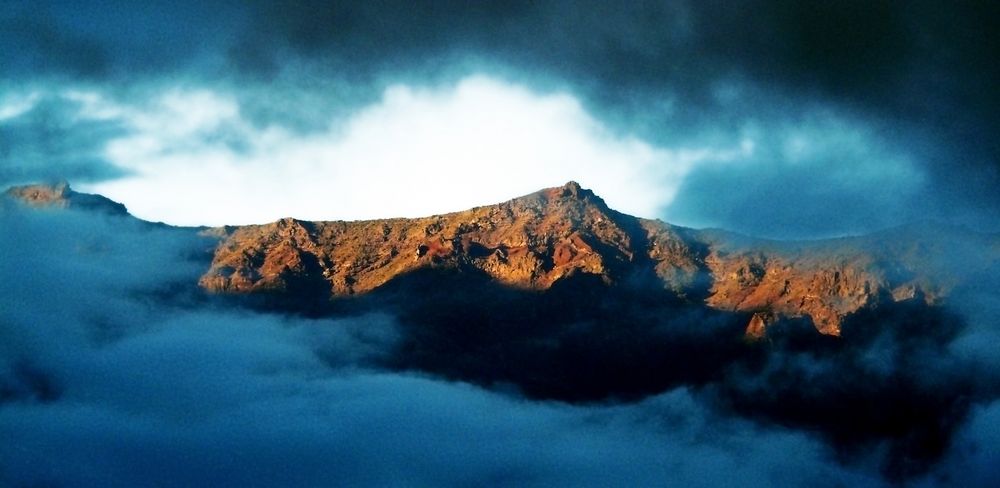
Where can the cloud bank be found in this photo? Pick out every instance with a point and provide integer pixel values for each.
(114, 373)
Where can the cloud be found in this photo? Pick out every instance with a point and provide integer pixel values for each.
(54, 40)
(422, 150)
(376, 429)
(680, 77)
(921, 67)
(418, 151)
(973, 455)
(15, 104)
(106, 379)
(115, 369)
(42, 138)
(818, 175)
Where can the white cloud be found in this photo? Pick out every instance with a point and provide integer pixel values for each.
(415, 152)
(14, 105)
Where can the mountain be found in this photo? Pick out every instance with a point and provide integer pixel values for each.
(538, 240)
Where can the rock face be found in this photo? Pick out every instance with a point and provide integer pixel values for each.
(529, 242)
(770, 280)
(535, 241)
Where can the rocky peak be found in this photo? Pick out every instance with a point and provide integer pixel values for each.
(572, 194)
(60, 195)
(572, 189)
(528, 242)
(42, 195)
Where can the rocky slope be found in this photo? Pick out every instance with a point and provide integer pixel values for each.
(529, 243)
(533, 242)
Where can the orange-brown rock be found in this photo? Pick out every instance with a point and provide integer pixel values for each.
(534, 241)
(529, 242)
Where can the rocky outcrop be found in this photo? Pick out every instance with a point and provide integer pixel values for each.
(529, 242)
(772, 282)
(60, 195)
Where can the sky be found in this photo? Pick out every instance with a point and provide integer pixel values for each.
(773, 118)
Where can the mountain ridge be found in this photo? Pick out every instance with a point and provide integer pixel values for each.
(537, 240)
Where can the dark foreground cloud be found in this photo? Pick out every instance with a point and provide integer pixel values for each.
(972, 461)
(114, 372)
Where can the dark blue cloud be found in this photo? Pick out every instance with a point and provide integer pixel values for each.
(115, 370)
(112, 39)
(811, 178)
(782, 202)
(50, 141)
(105, 382)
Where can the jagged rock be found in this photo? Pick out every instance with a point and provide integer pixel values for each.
(757, 328)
